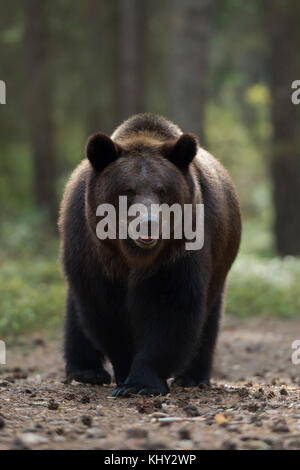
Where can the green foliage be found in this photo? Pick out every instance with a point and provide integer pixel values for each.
(267, 287)
(15, 176)
(32, 287)
(30, 302)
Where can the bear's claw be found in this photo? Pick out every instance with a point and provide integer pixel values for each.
(188, 381)
(129, 390)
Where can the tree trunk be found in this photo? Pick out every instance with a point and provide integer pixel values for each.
(39, 73)
(282, 23)
(129, 55)
(95, 44)
(192, 27)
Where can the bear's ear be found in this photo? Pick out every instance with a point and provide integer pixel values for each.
(101, 150)
(183, 151)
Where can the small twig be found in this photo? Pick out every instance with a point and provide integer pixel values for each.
(178, 418)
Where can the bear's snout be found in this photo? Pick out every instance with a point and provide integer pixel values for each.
(148, 232)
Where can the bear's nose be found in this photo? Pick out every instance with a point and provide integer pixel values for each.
(149, 228)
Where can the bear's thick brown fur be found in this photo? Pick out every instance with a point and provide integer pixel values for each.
(152, 311)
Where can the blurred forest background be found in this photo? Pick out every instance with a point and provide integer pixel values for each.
(220, 68)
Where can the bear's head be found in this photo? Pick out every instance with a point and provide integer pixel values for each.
(134, 178)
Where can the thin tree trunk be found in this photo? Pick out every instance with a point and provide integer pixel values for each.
(129, 55)
(39, 73)
(95, 45)
(282, 22)
(192, 27)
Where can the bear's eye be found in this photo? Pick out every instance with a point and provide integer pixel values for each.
(161, 191)
(129, 192)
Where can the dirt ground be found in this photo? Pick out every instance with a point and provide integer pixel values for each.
(254, 401)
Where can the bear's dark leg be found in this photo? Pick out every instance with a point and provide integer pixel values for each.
(117, 344)
(83, 361)
(199, 371)
(166, 317)
(121, 359)
(105, 320)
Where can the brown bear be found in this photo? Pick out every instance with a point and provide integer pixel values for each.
(149, 305)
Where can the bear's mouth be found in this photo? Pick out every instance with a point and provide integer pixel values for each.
(146, 242)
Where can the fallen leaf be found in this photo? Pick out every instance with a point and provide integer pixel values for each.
(221, 419)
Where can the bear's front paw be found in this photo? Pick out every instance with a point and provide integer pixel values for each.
(189, 381)
(93, 377)
(126, 390)
(142, 380)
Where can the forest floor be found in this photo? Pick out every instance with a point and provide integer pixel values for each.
(254, 401)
